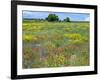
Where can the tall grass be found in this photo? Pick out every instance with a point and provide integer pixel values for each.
(55, 44)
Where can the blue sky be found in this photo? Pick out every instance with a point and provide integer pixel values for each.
(62, 15)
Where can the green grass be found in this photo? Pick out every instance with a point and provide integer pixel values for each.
(55, 44)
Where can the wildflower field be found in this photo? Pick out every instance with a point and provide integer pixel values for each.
(55, 44)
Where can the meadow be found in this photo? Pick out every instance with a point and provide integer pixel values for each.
(55, 44)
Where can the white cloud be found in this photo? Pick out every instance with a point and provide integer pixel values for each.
(27, 13)
(87, 19)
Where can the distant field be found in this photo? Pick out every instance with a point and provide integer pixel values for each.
(55, 44)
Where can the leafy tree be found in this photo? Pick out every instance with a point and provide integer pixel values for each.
(67, 19)
(52, 17)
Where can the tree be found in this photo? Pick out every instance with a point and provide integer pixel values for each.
(52, 17)
(67, 19)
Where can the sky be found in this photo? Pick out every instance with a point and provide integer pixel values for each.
(61, 15)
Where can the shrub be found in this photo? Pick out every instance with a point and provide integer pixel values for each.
(56, 60)
(29, 38)
(73, 36)
(78, 41)
(67, 19)
(49, 46)
(30, 58)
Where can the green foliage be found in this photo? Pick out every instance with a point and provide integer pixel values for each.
(52, 17)
(57, 60)
(30, 38)
(49, 46)
(73, 36)
(67, 19)
(27, 38)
